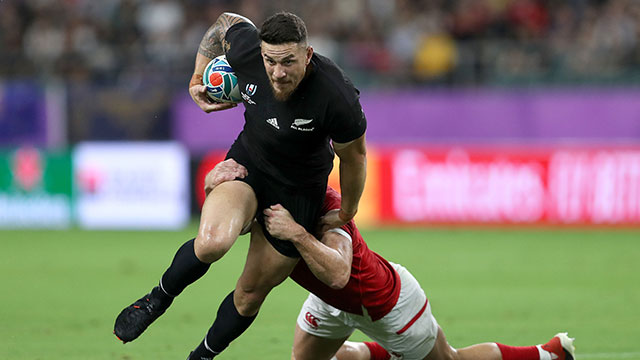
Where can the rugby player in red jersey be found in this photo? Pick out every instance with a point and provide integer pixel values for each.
(352, 287)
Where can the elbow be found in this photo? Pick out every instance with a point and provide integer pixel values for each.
(340, 281)
(337, 285)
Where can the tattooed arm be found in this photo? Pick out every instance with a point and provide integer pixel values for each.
(213, 44)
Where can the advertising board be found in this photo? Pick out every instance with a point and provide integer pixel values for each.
(586, 186)
(35, 188)
(131, 185)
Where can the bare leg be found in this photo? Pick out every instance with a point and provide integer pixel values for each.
(353, 351)
(220, 224)
(443, 351)
(311, 347)
(559, 347)
(227, 209)
(264, 269)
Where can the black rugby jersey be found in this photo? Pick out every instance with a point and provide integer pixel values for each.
(290, 140)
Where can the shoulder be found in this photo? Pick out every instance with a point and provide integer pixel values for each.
(242, 28)
(242, 43)
(345, 118)
(334, 80)
(241, 33)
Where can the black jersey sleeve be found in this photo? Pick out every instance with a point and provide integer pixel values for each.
(244, 45)
(347, 120)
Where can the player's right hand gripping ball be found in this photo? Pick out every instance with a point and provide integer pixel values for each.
(221, 81)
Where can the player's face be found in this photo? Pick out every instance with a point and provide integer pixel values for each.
(286, 65)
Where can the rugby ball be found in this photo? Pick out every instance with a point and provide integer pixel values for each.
(221, 81)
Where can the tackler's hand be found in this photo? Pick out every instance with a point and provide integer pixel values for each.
(334, 219)
(227, 170)
(280, 224)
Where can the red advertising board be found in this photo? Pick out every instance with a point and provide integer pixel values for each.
(206, 164)
(510, 185)
(495, 185)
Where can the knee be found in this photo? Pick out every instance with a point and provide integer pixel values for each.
(211, 244)
(450, 353)
(248, 300)
(353, 351)
(297, 354)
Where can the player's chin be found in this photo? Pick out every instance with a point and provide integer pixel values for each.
(282, 94)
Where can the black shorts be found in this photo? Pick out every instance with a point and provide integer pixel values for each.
(304, 203)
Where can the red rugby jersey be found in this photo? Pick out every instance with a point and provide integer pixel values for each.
(373, 284)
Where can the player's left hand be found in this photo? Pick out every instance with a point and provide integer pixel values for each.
(199, 95)
(280, 224)
(227, 170)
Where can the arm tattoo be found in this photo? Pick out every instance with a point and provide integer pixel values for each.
(213, 43)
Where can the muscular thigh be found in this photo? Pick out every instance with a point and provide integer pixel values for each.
(264, 269)
(311, 347)
(227, 209)
(320, 330)
(442, 350)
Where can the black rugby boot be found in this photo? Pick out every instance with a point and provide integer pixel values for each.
(135, 318)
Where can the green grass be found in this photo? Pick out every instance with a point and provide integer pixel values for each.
(61, 291)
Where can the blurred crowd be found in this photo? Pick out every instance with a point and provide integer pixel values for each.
(458, 42)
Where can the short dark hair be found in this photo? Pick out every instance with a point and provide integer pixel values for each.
(282, 28)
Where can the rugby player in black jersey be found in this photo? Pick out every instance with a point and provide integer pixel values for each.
(300, 109)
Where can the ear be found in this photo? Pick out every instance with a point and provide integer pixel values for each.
(309, 54)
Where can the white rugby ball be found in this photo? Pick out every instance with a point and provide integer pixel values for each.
(221, 81)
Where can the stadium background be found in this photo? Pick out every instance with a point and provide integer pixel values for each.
(485, 117)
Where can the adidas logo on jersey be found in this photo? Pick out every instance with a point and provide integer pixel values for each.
(273, 122)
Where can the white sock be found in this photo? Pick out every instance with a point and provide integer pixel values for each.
(544, 354)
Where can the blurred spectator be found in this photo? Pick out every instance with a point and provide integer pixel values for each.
(161, 23)
(150, 45)
(528, 18)
(408, 40)
(44, 40)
